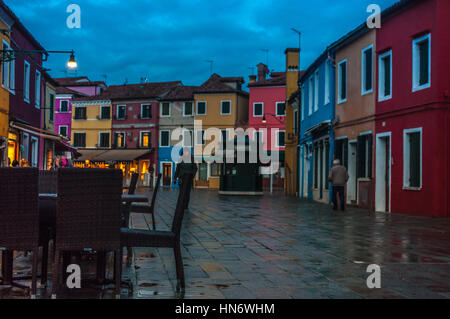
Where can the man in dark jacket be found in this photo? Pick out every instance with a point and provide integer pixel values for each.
(338, 177)
(185, 165)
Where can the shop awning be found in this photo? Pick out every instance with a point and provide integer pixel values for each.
(37, 131)
(116, 155)
(317, 127)
(62, 147)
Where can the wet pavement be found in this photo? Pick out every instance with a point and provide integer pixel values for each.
(279, 247)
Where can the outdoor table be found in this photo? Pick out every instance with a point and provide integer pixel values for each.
(135, 198)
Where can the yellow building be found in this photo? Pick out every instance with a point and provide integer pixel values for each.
(91, 123)
(7, 86)
(220, 103)
(291, 162)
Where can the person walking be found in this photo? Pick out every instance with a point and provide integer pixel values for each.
(185, 165)
(338, 177)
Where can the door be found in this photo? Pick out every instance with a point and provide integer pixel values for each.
(352, 180)
(167, 174)
(383, 173)
(202, 175)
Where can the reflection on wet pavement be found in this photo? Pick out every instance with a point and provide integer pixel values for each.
(280, 247)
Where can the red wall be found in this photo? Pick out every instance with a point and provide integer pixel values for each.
(269, 95)
(427, 108)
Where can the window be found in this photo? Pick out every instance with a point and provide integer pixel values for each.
(25, 144)
(64, 107)
(103, 139)
(385, 76)
(310, 93)
(188, 109)
(200, 137)
(421, 62)
(215, 169)
(164, 139)
(146, 139)
(26, 82)
(303, 102)
(63, 130)
(187, 138)
(295, 127)
(37, 89)
(80, 113)
(342, 81)
(201, 108)
(258, 109)
(165, 109)
(119, 140)
(105, 112)
(51, 97)
(146, 111)
(79, 139)
(367, 70)
(281, 109)
(412, 158)
(281, 138)
(121, 112)
(316, 91)
(327, 84)
(8, 70)
(34, 151)
(364, 156)
(225, 107)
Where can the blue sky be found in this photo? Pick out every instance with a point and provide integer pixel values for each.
(165, 40)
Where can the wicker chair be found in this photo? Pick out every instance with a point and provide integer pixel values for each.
(163, 239)
(88, 215)
(133, 183)
(19, 221)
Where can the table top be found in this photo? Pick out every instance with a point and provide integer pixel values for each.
(135, 198)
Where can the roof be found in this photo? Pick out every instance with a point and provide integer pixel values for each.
(217, 84)
(180, 93)
(64, 90)
(20, 26)
(111, 155)
(276, 79)
(133, 91)
(78, 81)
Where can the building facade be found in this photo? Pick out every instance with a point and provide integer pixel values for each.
(220, 103)
(316, 137)
(412, 123)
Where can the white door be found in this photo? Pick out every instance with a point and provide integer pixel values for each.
(383, 173)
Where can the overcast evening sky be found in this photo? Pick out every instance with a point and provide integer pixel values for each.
(166, 40)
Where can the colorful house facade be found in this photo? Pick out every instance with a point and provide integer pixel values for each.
(267, 114)
(316, 137)
(176, 129)
(220, 103)
(412, 117)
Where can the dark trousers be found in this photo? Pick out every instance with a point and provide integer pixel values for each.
(338, 190)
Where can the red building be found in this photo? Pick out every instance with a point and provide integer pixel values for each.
(413, 109)
(267, 113)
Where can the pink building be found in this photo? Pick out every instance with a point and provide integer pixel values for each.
(68, 89)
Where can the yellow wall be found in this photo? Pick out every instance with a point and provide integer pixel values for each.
(4, 94)
(91, 126)
(49, 89)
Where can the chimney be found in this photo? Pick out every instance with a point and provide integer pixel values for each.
(263, 70)
(292, 70)
(252, 79)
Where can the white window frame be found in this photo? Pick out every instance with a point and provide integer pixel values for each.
(406, 154)
(416, 61)
(37, 88)
(68, 108)
(124, 139)
(117, 112)
(262, 109)
(100, 140)
(140, 138)
(277, 138)
(142, 111)
(9, 67)
(206, 107)
(160, 138)
(326, 98)
(184, 109)
(161, 109)
(363, 70)
(381, 76)
(310, 95)
(316, 91)
(26, 81)
(196, 137)
(221, 102)
(67, 130)
(339, 80)
(34, 151)
(276, 108)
